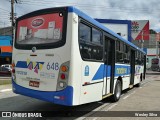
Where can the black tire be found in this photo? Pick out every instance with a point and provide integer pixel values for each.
(138, 85)
(117, 91)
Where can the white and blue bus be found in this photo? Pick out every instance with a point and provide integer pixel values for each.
(63, 56)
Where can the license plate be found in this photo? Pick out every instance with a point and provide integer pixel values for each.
(34, 83)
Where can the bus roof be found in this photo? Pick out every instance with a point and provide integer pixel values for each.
(86, 17)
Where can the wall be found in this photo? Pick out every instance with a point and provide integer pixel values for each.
(5, 49)
(118, 26)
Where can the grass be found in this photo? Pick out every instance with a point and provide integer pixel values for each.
(5, 81)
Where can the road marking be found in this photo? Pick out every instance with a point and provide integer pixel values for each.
(101, 107)
(122, 95)
(126, 96)
(95, 118)
(112, 106)
(133, 92)
(144, 85)
(5, 90)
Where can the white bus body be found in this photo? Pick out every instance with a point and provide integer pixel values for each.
(48, 63)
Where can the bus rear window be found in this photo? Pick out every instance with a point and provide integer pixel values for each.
(39, 30)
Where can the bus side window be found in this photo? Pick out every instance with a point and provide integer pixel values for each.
(126, 54)
(147, 60)
(85, 54)
(119, 52)
(109, 53)
(91, 42)
(97, 42)
(136, 58)
(139, 58)
(142, 59)
(85, 33)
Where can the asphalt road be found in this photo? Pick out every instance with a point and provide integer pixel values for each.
(139, 101)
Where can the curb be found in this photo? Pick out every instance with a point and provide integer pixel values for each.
(5, 80)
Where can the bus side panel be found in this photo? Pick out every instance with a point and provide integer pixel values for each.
(75, 63)
(48, 91)
(77, 69)
(125, 83)
(159, 62)
(123, 71)
(138, 72)
(92, 82)
(51, 96)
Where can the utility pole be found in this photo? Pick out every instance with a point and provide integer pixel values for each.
(12, 17)
(142, 39)
(12, 13)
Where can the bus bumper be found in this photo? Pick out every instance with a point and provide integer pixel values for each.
(63, 97)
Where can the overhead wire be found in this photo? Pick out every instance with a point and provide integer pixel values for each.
(4, 10)
(82, 6)
(124, 10)
(37, 2)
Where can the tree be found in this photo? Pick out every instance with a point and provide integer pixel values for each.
(151, 31)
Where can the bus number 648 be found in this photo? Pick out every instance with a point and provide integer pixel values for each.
(53, 66)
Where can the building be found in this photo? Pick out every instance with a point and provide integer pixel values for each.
(6, 31)
(137, 32)
(140, 33)
(121, 27)
(5, 45)
(153, 50)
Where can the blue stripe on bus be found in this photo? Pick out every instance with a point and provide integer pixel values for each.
(21, 64)
(105, 71)
(100, 73)
(67, 94)
(121, 70)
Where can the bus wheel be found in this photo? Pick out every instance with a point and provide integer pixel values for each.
(117, 91)
(138, 85)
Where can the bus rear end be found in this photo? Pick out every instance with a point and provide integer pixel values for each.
(41, 56)
(155, 65)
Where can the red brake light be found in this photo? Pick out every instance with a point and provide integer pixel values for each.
(13, 70)
(63, 76)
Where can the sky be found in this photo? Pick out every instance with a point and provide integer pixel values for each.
(102, 9)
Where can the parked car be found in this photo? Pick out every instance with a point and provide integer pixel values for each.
(8, 66)
(5, 71)
(155, 65)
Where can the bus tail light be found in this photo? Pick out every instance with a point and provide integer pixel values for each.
(64, 68)
(13, 71)
(63, 77)
(13, 67)
(62, 84)
(62, 81)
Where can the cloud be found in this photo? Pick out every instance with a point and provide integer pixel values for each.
(105, 9)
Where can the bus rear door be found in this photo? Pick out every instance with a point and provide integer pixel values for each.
(109, 56)
(132, 70)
